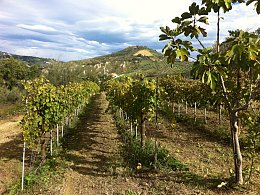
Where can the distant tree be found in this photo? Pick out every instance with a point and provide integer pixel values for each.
(63, 73)
(12, 71)
(257, 32)
(34, 71)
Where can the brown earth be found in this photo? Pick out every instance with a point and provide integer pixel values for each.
(10, 151)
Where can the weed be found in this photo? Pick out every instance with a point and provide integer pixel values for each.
(130, 192)
(140, 158)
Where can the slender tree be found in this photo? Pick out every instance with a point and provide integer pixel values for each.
(234, 74)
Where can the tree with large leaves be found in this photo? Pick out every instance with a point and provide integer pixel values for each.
(236, 72)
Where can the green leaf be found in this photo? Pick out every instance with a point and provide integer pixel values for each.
(194, 8)
(203, 77)
(167, 48)
(166, 30)
(213, 81)
(228, 4)
(209, 77)
(249, 2)
(171, 58)
(204, 19)
(163, 37)
(176, 20)
(203, 11)
(186, 23)
(186, 15)
(182, 54)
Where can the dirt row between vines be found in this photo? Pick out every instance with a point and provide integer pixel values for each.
(92, 150)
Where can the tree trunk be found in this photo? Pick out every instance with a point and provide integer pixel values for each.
(236, 147)
(142, 128)
(44, 143)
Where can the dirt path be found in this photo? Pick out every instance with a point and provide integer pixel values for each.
(10, 151)
(92, 150)
(9, 128)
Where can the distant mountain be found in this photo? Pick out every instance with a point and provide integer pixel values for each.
(131, 54)
(133, 59)
(31, 60)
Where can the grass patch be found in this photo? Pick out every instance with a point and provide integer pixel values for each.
(142, 158)
(39, 178)
(8, 110)
(213, 131)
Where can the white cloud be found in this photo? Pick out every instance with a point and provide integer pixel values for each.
(69, 30)
(37, 28)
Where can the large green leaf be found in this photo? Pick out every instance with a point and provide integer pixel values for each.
(194, 8)
(176, 20)
(257, 5)
(163, 37)
(186, 15)
(182, 54)
(204, 19)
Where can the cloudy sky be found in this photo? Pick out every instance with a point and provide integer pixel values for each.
(78, 29)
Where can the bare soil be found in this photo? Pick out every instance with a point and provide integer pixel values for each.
(10, 151)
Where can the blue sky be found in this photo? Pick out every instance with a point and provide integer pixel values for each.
(78, 29)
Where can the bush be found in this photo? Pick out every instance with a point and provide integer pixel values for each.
(136, 155)
(139, 157)
(3, 95)
(10, 96)
(14, 95)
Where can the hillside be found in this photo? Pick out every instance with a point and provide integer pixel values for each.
(31, 60)
(133, 59)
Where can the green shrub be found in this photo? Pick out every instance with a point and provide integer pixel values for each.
(14, 95)
(10, 96)
(136, 155)
(139, 157)
(3, 95)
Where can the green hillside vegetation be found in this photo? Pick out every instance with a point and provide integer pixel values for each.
(12, 72)
(131, 60)
(30, 60)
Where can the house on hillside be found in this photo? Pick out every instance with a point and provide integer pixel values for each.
(114, 75)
